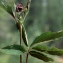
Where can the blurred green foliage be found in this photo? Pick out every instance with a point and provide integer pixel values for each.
(44, 15)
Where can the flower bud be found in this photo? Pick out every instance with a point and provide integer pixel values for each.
(19, 7)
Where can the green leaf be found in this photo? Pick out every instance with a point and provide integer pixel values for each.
(7, 6)
(24, 35)
(41, 48)
(55, 51)
(13, 6)
(13, 49)
(47, 36)
(2, 4)
(48, 50)
(40, 56)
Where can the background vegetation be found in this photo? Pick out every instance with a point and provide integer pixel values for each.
(44, 15)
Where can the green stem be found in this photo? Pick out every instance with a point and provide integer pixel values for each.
(28, 7)
(27, 55)
(28, 4)
(20, 26)
(20, 41)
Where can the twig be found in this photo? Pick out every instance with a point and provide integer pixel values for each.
(28, 7)
(20, 42)
(27, 58)
(27, 55)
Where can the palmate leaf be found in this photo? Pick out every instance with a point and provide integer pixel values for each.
(47, 36)
(40, 56)
(24, 35)
(13, 49)
(48, 50)
(8, 6)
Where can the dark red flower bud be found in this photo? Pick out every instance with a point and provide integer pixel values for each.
(19, 7)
